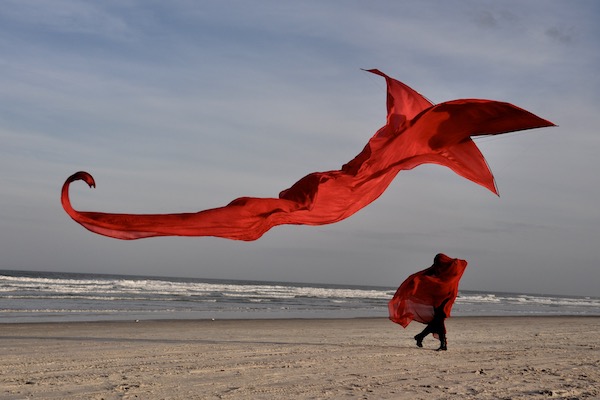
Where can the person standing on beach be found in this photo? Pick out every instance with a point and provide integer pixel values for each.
(427, 297)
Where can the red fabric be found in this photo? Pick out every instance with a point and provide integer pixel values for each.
(426, 290)
(416, 132)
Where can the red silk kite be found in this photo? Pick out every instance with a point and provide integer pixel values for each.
(416, 132)
(423, 292)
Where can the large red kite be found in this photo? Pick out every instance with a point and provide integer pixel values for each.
(416, 132)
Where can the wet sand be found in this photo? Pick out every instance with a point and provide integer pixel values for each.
(487, 358)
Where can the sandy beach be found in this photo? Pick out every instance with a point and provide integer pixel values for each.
(488, 358)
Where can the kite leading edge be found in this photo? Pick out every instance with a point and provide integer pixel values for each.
(416, 132)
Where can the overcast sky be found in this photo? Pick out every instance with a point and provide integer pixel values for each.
(180, 106)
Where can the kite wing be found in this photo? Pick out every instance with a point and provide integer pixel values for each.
(426, 290)
(416, 132)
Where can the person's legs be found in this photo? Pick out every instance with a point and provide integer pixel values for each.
(443, 343)
(419, 338)
(442, 336)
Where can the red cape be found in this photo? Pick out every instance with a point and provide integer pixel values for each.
(426, 290)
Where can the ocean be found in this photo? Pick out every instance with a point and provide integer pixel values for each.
(28, 296)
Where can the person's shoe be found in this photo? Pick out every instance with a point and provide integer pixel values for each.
(419, 340)
(443, 345)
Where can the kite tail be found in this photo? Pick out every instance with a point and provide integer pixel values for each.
(92, 220)
(64, 195)
(118, 226)
(245, 218)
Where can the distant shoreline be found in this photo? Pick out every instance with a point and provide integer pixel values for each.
(65, 297)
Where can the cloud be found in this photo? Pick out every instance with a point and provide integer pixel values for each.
(494, 18)
(560, 35)
(65, 16)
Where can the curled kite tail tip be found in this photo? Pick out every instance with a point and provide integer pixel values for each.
(64, 196)
(84, 176)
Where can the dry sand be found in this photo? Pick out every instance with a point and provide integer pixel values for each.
(488, 358)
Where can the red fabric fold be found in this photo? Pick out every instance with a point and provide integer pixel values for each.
(416, 132)
(426, 290)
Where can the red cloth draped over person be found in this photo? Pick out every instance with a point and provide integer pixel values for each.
(428, 296)
(416, 132)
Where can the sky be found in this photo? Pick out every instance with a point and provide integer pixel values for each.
(181, 106)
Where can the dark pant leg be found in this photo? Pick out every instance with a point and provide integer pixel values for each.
(428, 329)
